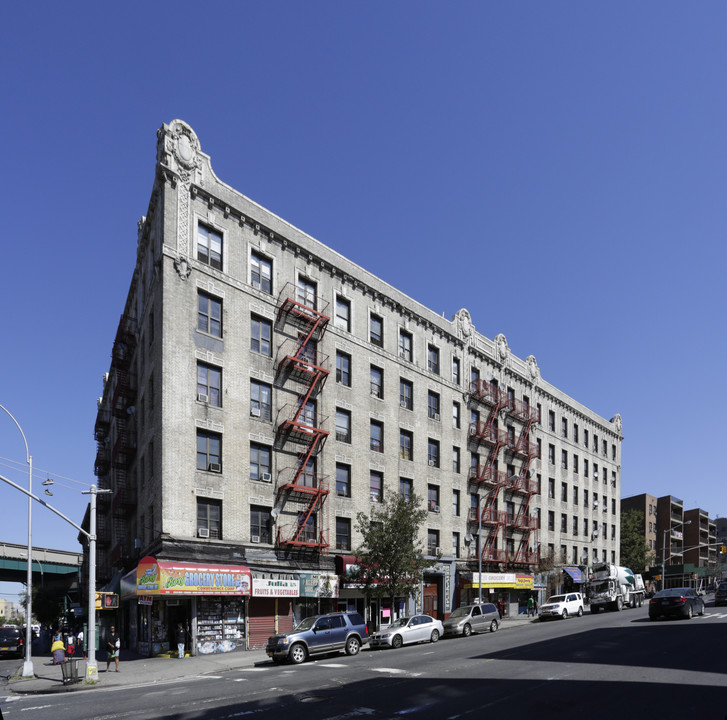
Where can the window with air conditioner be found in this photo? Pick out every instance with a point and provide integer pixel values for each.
(203, 532)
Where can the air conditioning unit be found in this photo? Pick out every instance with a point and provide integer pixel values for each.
(255, 412)
(374, 498)
(203, 532)
(214, 467)
(437, 551)
(436, 416)
(202, 398)
(267, 477)
(435, 508)
(255, 538)
(432, 463)
(403, 404)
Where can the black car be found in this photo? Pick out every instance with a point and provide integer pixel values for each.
(11, 641)
(720, 594)
(676, 602)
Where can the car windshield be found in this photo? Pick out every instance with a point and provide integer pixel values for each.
(306, 624)
(402, 622)
(557, 599)
(461, 612)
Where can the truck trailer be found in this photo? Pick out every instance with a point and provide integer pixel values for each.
(615, 587)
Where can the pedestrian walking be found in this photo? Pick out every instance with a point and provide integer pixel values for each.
(113, 645)
(58, 649)
(531, 606)
(179, 635)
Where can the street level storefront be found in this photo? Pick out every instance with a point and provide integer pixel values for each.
(209, 599)
(509, 591)
(271, 606)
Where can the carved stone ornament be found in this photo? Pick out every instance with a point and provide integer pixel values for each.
(533, 368)
(503, 350)
(465, 328)
(182, 267)
(616, 420)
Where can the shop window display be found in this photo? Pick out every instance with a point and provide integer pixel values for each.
(220, 625)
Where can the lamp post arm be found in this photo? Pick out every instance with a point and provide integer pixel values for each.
(45, 504)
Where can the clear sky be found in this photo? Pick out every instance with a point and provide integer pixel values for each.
(557, 168)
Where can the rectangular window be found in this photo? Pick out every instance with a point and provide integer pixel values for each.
(261, 272)
(377, 436)
(433, 452)
(433, 405)
(564, 492)
(209, 451)
(613, 452)
(342, 318)
(585, 498)
(376, 330)
(343, 425)
(406, 394)
(209, 384)
(433, 498)
(585, 467)
(595, 443)
(551, 420)
(209, 315)
(307, 415)
(307, 293)
(575, 525)
(343, 480)
(456, 371)
(405, 345)
(343, 533)
(261, 524)
(585, 526)
(575, 495)
(261, 333)
(209, 518)
(585, 438)
(563, 523)
(406, 443)
(551, 520)
(564, 427)
(456, 413)
(261, 400)
(455, 503)
(376, 486)
(260, 459)
(343, 369)
(209, 246)
(551, 488)
(576, 463)
(432, 542)
(455, 544)
(377, 382)
(433, 359)
(456, 460)
(575, 432)
(604, 448)
(564, 459)
(406, 487)
(551, 454)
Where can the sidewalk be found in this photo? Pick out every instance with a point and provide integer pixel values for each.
(135, 670)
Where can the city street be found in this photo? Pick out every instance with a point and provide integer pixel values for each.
(597, 666)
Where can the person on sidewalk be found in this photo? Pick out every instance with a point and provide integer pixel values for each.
(113, 645)
(531, 606)
(179, 635)
(58, 650)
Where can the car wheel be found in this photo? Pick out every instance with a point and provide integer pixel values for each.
(434, 636)
(353, 645)
(297, 654)
(494, 625)
(619, 604)
(701, 611)
(565, 614)
(580, 611)
(396, 642)
(689, 612)
(467, 630)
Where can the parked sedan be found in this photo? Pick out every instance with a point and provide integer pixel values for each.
(11, 641)
(720, 594)
(676, 602)
(418, 628)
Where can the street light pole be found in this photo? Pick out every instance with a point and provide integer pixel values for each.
(28, 664)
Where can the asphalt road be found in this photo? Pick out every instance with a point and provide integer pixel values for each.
(612, 665)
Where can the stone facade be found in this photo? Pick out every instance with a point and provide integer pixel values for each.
(200, 249)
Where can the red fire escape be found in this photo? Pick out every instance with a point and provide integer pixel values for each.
(486, 433)
(300, 425)
(524, 485)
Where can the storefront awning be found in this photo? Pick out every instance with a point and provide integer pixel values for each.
(575, 573)
(154, 577)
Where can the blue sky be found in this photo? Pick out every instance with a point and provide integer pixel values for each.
(556, 168)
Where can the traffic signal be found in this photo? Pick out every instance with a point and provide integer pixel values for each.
(107, 601)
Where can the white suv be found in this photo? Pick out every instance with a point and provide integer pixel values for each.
(562, 606)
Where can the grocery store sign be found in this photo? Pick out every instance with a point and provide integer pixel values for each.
(502, 580)
(161, 577)
(274, 587)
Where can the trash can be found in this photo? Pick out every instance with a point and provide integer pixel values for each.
(69, 668)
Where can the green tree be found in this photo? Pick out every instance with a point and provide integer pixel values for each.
(47, 605)
(635, 553)
(391, 557)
